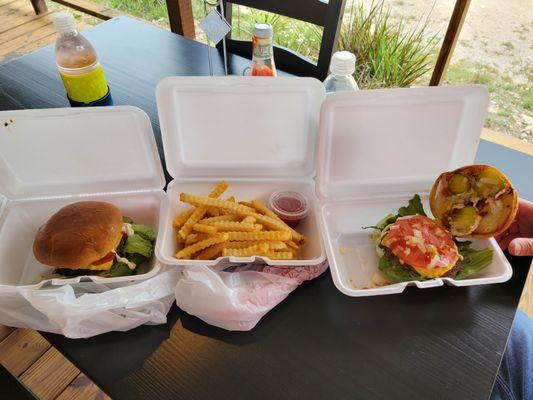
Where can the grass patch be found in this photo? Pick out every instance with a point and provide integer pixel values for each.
(508, 45)
(527, 99)
(389, 54)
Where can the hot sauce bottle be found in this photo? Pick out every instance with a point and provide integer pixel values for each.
(263, 55)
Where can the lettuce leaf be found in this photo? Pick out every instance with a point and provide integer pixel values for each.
(138, 244)
(473, 260)
(397, 272)
(127, 220)
(414, 207)
(144, 231)
(119, 269)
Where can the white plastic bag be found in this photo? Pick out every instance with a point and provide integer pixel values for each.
(87, 309)
(238, 300)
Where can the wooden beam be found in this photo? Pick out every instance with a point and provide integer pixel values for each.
(88, 7)
(39, 6)
(450, 40)
(181, 17)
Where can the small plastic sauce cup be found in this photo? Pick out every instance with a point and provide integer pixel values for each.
(290, 206)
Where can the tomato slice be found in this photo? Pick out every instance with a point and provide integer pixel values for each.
(108, 257)
(421, 242)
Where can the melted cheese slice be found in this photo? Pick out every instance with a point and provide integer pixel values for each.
(101, 267)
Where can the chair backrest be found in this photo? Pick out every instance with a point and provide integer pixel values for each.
(325, 14)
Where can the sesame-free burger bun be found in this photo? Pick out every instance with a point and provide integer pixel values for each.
(78, 234)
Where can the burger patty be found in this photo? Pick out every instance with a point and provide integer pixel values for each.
(71, 273)
(452, 273)
(389, 255)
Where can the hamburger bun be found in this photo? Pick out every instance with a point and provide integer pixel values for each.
(78, 234)
(475, 201)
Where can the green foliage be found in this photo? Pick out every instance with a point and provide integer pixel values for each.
(389, 54)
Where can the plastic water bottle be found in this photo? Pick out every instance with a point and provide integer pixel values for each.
(263, 54)
(80, 71)
(342, 67)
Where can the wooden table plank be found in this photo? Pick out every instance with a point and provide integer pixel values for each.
(49, 375)
(82, 388)
(21, 349)
(5, 331)
(24, 29)
(29, 37)
(14, 14)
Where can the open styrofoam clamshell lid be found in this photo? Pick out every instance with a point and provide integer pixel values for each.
(53, 157)
(376, 149)
(259, 134)
(239, 126)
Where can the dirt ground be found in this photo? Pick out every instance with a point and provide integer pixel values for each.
(495, 48)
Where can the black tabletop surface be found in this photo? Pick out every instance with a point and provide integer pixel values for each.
(441, 343)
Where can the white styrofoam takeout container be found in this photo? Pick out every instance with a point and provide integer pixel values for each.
(376, 149)
(258, 134)
(53, 157)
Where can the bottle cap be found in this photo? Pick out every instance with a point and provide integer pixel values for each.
(263, 30)
(64, 22)
(342, 63)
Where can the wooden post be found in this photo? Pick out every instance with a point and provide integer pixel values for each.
(448, 45)
(39, 6)
(181, 18)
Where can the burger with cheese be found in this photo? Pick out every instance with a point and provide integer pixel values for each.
(93, 238)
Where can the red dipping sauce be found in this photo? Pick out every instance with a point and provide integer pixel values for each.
(290, 206)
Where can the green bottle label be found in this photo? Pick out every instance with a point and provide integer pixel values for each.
(87, 87)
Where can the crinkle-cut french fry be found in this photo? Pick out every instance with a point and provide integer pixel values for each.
(259, 206)
(249, 220)
(263, 209)
(182, 218)
(246, 252)
(265, 235)
(292, 245)
(193, 248)
(195, 237)
(276, 245)
(227, 217)
(246, 203)
(220, 188)
(209, 229)
(230, 226)
(271, 223)
(272, 244)
(213, 211)
(211, 252)
(279, 255)
(232, 199)
(196, 216)
(209, 202)
(199, 212)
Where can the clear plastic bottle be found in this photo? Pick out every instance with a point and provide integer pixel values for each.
(341, 78)
(77, 62)
(263, 54)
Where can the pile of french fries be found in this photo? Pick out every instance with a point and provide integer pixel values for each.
(214, 227)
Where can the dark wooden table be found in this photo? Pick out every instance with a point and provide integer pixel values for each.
(442, 343)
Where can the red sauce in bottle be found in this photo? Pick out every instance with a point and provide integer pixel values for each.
(290, 206)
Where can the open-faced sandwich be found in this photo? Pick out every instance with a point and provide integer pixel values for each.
(412, 246)
(92, 238)
(474, 201)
